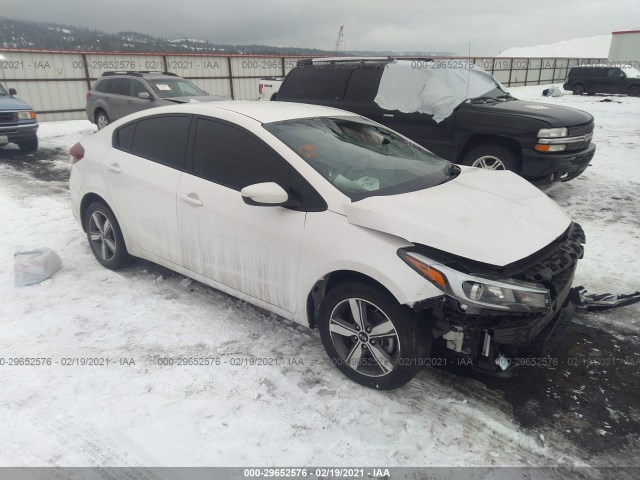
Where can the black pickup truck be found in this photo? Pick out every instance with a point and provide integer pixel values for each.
(541, 142)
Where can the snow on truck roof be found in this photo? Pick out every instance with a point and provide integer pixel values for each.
(267, 112)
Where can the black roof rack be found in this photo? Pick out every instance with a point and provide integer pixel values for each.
(138, 73)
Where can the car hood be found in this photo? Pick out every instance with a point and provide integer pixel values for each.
(202, 98)
(12, 103)
(487, 216)
(554, 115)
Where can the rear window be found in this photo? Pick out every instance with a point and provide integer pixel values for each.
(319, 82)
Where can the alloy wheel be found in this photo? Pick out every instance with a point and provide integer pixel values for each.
(102, 236)
(364, 337)
(490, 162)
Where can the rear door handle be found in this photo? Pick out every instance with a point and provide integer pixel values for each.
(191, 199)
(389, 115)
(114, 167)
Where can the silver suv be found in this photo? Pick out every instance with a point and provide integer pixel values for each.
(116, 94)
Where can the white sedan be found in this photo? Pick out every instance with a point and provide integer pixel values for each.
(336, 222)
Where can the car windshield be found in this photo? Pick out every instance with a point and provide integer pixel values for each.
(3, 92)
(168, 88)
(362, 159)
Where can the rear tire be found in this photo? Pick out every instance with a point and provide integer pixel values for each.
(578, 89)
(102, 119)
(370, 337)
(28, 145)
(492, 156)
(105, 237)
(634, 91)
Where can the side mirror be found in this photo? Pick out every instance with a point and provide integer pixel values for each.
(268, 194)
(144, 96)
(12, 91)
(206, 93)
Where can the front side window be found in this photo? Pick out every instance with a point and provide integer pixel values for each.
(119, 86)
(234, 158)
(137, 87)
(360, 158)
(169, 88)
(162, 139)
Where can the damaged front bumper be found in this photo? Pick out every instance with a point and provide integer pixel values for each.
(497, 341)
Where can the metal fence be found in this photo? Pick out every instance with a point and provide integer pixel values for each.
(55, 82)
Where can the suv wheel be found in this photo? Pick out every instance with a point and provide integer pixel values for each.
(29, 145)
(492, 156)
(369, 336)
(105, 237)
(102, 119)
(634, 91)
(578, 89)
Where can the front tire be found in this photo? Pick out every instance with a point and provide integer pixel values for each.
(105, 237)
(102, 119)
(28, 145)
(492, 156)
(370, 337)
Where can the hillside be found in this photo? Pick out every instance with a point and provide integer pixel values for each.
(38, 35)
(588, 47)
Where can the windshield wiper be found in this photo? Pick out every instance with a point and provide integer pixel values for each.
(485, 99)
(453, 172)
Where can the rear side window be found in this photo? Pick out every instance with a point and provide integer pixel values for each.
(101, 86)
(231, 157)
(162, 139)
(363, 84)
(320, 82)
(124, 137)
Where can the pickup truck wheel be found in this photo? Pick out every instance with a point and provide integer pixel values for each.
(28, 145)
(369, 336)
(578, 89)
(105, 237)
(634, 91)
(102, 119)
(492, 156)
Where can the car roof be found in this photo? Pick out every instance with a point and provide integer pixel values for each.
(267, 112)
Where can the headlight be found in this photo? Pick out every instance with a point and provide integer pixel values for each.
(473, 290)
(553, 132)
(26, 115)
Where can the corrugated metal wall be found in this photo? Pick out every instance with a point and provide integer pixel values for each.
(55, 83)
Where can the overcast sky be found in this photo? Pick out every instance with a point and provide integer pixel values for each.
(490, 26)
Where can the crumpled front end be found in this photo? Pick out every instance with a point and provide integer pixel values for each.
(497, 318)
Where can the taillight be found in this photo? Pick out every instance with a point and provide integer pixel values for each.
(260, 88)
(88, 95)
(77, 153)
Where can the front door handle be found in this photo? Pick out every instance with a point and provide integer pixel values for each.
(388, 115)
(114, 167)
(191, 199)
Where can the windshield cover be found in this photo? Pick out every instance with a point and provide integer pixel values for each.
(168, 88)
(631, 72)
(362, 159)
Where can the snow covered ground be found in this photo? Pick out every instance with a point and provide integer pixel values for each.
(588, 47)
(297, 409)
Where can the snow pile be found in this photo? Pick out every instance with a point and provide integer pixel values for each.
(588, 47)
